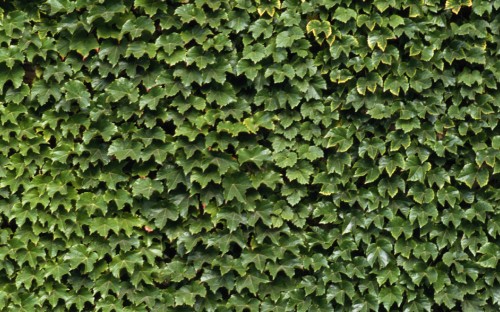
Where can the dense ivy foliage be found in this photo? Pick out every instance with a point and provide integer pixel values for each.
(246, 155)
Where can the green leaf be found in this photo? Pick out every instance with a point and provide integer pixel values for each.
(187, 294)
(57, 6)
(379, 252)
(122, 149)
(145, 187)
(469, 77)
(169, 43)
(223, 95)
(190, 12)
(341, 138)
(417, 170)
(372, 146)
(139, 49)
(152, 98)
(398, 226)
(14, 74)
(449, 194)
(79, 254)
(391, 162)
(257, 155)
(344, 14)
(121, 88)
(395, 21)
(392, 186)
(113, 51)
(395, 83)
(32, 254)
(313, 153)
(470, 174)
(76, 90)
(127, 262)
(56, 270)
(197, 56)
(255, 52)
(83, 43)
(251, 281)
(150, 6)
(317, 27)
(235, 187)
(42, 91)
(495, 142)
(222, 162)
(421, 194)
(438, 176)
(26, 276)
(250, 70)
(300, 173)
(286, 38)
(135, 27)
(391, 295)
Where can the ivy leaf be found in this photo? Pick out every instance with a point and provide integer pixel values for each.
(173, 175)
(127, 262)
(187, 294)
(490, 255)
(76, 90)
(396, 20)
(286, 38)
(340, 137)
(152, 98)
(257, 155)
(14, 74)
(113, 51)
(394, 84)
(121, 88)
(421, 194)
(391, 162)
(255, 52)
(122, 149)
(235, 187)
(417, 170)
(30, 255)
(495, 142)
(470, 174)
(169, 43)
(135, 27)
(392, 186)
(251, 281)
(391, 295)
(344, 14)
(145, 187)
(150, 6)
(438, 176)
(223, 162)
(223, 95)
(300, 173)
(83, 43)
(313, 153)
(56, 270)
(26, 277)
(379, 252)
(317, 27)
(190, 12)
(79, 254)
(197, 56)
(449, 194)
(285, 159)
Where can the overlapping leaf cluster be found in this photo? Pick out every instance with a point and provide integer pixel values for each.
(249, 155)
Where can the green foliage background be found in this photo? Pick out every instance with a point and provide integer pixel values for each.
(249, 155)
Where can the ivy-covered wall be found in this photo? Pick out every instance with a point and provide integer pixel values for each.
(237, 155)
